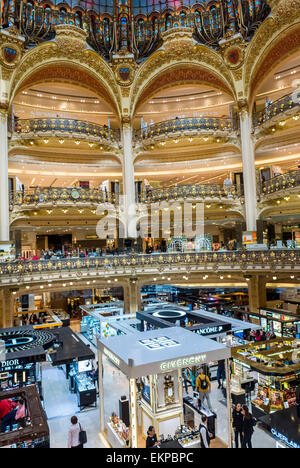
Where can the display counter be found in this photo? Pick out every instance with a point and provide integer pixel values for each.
(117, 433)
(284, 427)
(152, 363)
(278, 370)
(35, 433)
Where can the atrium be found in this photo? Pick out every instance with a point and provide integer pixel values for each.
(150, 224)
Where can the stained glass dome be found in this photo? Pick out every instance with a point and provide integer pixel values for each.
(136, 26)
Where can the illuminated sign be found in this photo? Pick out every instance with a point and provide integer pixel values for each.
(112, 357)
(183, 362)
(284, 439)
(211, 330)
(159, 343)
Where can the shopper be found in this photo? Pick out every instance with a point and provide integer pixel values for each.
(248, 424)
(205, 435)
(7, 414)
(21, 414)
(203, 386)
(221, 374)
(74, 431)
(238, 419)
(152, 438)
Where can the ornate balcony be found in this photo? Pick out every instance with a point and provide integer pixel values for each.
(286, 181)
(76, 129)
(287, 104)
(135, 264)
(197, 191)
(51, 196)
(187, 125)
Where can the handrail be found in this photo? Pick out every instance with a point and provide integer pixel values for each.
(24, 126)
(179, 125)
(192, 191)
(281, 182)
(53, 196)
(275, 108)
(228, 259)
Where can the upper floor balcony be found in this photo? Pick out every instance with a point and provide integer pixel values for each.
(284, 182)
(43, 197)
(65, 128)
(275, 111)
(193, 192)
(245, 262)
(187, 126)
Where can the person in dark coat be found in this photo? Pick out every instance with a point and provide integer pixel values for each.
(247, 427)
(238, 419)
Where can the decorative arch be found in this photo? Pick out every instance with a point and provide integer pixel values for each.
(177, 75)
(181, 61)
(50, 62)
(280, 37)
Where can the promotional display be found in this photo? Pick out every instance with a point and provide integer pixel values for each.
(277, 365)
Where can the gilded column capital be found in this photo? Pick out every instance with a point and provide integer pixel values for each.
(243, 107)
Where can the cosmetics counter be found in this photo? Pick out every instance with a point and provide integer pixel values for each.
(82, 383)
(95, 320)
(277, 366)
(152, 363)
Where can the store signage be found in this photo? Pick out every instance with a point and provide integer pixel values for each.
(211, 330)
(284, 439)
(9, 365)
(183, 362)
(159, 343)
(112, 357)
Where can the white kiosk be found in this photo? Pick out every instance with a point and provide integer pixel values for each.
(159, 357)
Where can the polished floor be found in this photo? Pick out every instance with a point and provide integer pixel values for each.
(60, 405)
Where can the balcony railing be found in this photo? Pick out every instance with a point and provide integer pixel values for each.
(49, 196)
(46, 126)
(282, 182)
(276, 108)
(181, 125)
(196, 191)
(226, 260)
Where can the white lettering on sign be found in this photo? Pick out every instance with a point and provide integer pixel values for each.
(12, 363)
(210, 330)
(183, 362)
(112, 357)
(284, 439)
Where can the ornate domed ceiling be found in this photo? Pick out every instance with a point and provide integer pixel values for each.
(134, 26)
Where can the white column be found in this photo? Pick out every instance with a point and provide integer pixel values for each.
(128, 183)
(4, 201)
(248, 155)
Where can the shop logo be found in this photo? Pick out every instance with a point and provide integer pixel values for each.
(24, 340)
(112, 357)
(184, 362)
(11, 363)
(210, 330)
(284, 439)
(159, 343)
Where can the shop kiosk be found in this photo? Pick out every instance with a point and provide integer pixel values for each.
(153, 362)
(35, 433)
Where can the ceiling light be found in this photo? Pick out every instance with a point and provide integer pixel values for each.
(61, 142)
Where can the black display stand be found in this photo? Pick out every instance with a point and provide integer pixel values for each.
(87, 399)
